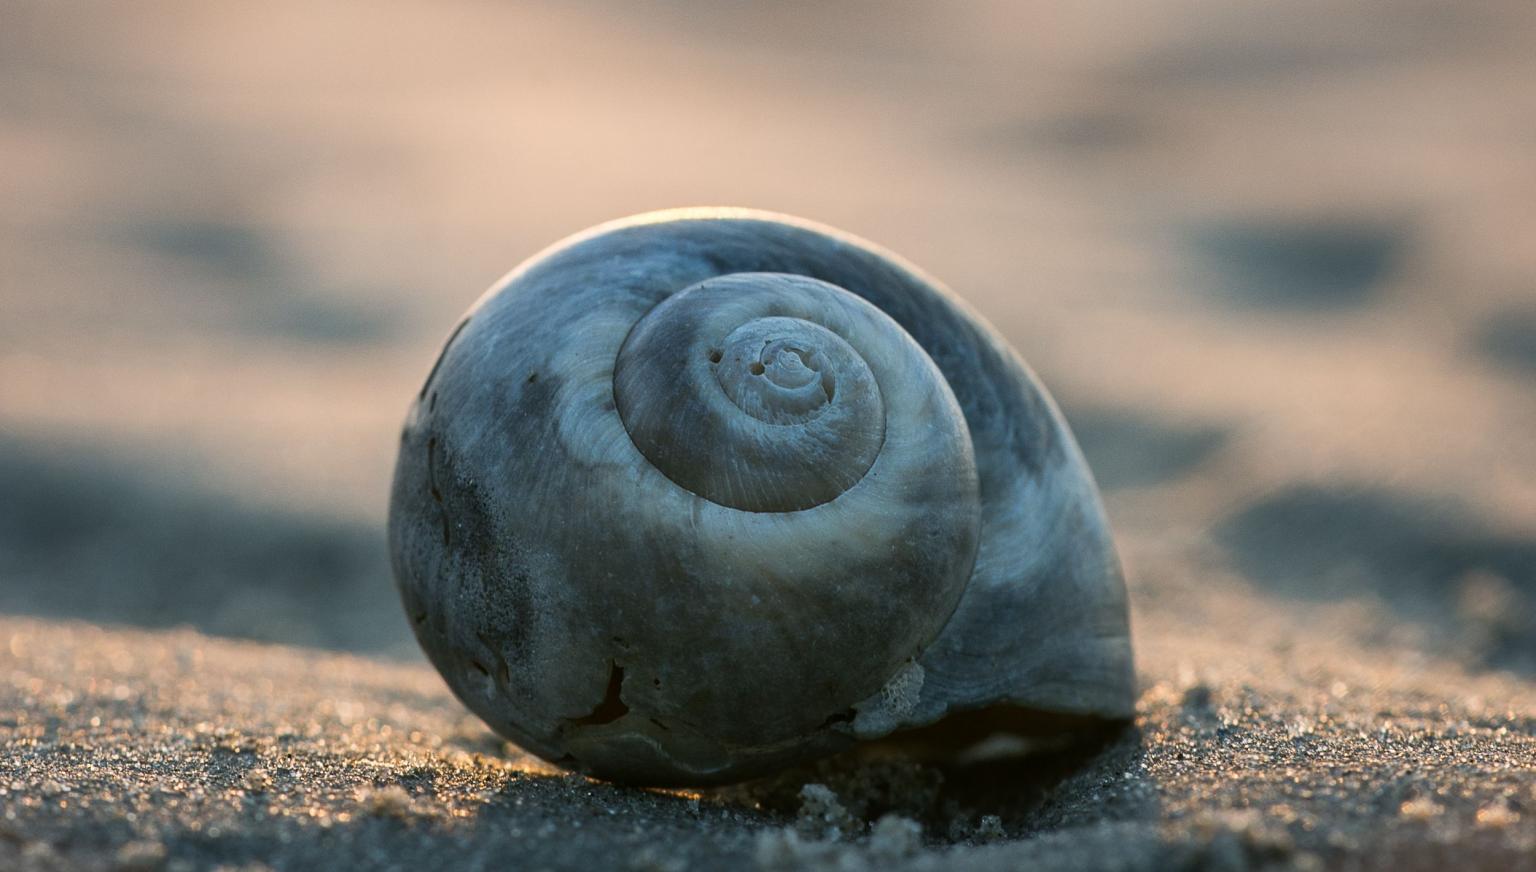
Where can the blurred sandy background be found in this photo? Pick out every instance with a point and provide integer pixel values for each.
(1277, 261)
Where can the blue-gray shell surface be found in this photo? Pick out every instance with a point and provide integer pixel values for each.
(698, 494)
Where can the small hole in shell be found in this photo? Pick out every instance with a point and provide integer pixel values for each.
(714, 355)
(756, 368)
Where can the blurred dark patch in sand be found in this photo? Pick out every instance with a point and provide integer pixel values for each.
(1508, 340)
(1085, 134)
(1430, 561)
(236, 250)
(1256, 62)
(1260, 48)
(91, 537)
(1126, 448)
(270, 293)
(1323, 265)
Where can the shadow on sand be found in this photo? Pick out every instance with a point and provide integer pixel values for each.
(1431, 561)
(97, 538)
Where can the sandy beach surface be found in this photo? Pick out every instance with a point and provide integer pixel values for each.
(1277, 263)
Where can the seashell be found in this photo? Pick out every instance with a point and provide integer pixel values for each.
(698, 494)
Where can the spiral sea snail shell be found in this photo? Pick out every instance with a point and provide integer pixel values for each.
(697, 494)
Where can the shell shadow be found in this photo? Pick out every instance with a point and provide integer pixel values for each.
(98, 538)
(1013, 779)
(1429, 561)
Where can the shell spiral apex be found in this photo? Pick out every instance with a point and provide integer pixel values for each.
(696, 495)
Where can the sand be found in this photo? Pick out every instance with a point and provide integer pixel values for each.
(172, 749)
(1275, 261)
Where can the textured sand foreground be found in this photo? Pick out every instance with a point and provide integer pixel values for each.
(172, 749)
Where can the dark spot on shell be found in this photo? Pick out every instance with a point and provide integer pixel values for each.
(437, 495)
(498, 589)
(503, 671)
(535, 398)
